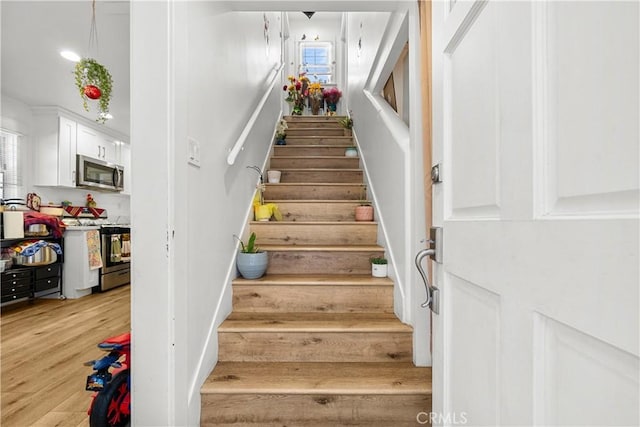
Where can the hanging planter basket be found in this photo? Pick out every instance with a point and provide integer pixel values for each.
(93, 81)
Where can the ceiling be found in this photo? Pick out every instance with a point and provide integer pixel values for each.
(33, 34)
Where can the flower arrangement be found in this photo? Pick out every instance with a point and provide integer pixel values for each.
(281, 129)
(315, 91)
(315, 97)
(332, 96)
(297, 90)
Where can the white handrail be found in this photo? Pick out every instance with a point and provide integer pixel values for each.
(231, 158)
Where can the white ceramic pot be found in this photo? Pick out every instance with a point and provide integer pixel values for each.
(351, 152)
(379, 270)
(274, 176)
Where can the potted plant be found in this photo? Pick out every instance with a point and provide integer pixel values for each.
(331, 97)
(315, 97)
(93, 81)
(251, 261)
(379, 267)
(364, 212)
(281, 132)
(296, 93)
(347, 124)
(351, 151)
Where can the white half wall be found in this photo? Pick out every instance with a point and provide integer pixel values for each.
(201, 81)
(392, 152)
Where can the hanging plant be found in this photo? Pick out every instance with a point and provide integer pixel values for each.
(93, 81)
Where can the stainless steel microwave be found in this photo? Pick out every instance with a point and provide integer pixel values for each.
(95, 173)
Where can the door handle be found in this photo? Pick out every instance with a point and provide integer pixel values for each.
(433, 293)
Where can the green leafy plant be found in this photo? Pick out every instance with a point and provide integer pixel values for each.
(378, 260)
(346, 122)
(250, 247)
(94, 81)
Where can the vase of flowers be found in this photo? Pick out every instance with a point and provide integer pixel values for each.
(316, 98)
(281, 132)
(331, 97)
(296, 90)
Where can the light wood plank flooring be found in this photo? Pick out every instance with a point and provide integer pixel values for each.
(43, 348)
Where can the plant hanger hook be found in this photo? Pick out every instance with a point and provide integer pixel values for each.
(93, 33)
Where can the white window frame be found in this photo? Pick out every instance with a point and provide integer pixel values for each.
(305, 68)
(11, 152)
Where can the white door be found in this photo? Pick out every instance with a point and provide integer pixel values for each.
(536, 125)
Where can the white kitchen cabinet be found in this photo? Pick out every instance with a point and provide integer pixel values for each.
(78, 277)
(55, 139)
(94, 144)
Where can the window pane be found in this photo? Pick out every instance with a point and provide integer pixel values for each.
(10, 165)
(316, 61)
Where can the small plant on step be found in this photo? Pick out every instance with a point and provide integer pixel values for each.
(378, 266)
(363, 196)
(252, 262)
(347, 121)
(364, 212)
(250, 247)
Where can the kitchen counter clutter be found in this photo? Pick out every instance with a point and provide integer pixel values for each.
(33, 272)
(31, 252)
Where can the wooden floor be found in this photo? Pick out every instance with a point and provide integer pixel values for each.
(44, 346)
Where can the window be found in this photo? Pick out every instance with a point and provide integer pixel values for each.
(10, 168)
(316, 59)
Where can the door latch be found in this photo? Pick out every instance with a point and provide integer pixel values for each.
(434, 251)
(436, 173)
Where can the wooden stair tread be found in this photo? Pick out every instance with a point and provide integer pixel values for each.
(316, 279)
(310, 157)
(313, 322)
(318, 378)
(328, 248)
(303, 147)
(303, 223)
(319, 170)
(314, 184)
(323, 201)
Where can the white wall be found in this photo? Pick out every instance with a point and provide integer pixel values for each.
(392, 154)
(201, 83)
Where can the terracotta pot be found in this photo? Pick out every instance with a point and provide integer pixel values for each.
(364, 213)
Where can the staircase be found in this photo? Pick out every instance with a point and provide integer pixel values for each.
(315, 341)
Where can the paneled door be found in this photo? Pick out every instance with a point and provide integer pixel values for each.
(536, 126)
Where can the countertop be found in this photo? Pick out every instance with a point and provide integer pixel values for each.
(82, 227)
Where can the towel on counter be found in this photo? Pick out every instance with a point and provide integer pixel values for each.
(93, 246)
(55, 224)
(31, 247)
(74, 211)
